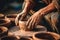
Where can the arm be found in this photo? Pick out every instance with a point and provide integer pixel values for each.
(37, 17)
(27, 7)
(47, 9)
(29, 4)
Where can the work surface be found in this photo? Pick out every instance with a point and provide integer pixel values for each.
(15, 31)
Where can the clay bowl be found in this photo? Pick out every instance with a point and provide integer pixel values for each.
(22, 26)
(9, 38)
(4, 22)
(46, 36)
(11, 16)
(2, 16)
(24, 38)
(3, 31)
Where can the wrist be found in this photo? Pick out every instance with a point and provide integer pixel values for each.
(25, 11)
(47, 9)
(41, 12)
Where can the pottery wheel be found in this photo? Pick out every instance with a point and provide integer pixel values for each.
(15, 31)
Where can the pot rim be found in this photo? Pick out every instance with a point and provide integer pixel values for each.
(13, 15)
(1, 15)
(4, 29)
(55, 35)
(6, 21)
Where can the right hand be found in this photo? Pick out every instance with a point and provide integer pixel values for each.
(20, 16)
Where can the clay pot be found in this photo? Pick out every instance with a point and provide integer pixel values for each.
(9, 38)
(46, 36)
(11, 16)
(3, 31)
(23, 38)
(5, 22)
(22, 25)
(2, 16)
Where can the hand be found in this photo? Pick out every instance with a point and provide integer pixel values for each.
(33, 20)
(20, 16)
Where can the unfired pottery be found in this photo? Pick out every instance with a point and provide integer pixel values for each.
(46, 36)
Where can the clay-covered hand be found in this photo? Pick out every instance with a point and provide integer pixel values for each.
(20, 16)
(33, 20)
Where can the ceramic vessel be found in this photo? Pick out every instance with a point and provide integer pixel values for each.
(11, 16)
(2, 16)
(3, 31)
(46, 36)
(5, 22)
(22, 25)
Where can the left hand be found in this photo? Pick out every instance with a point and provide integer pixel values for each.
(33, 20)
(20, 16)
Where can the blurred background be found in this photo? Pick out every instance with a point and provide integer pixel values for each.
(10, 6)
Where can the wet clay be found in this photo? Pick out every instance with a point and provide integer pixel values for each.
(22, 25)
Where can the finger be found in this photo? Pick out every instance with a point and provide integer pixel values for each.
(37, 21)
(36, 24)
(33, 24)
(17, 19)
(27, 23)
(30, 24)
(22, 17)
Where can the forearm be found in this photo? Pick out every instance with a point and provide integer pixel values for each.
(28, 5)
(47, 9)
